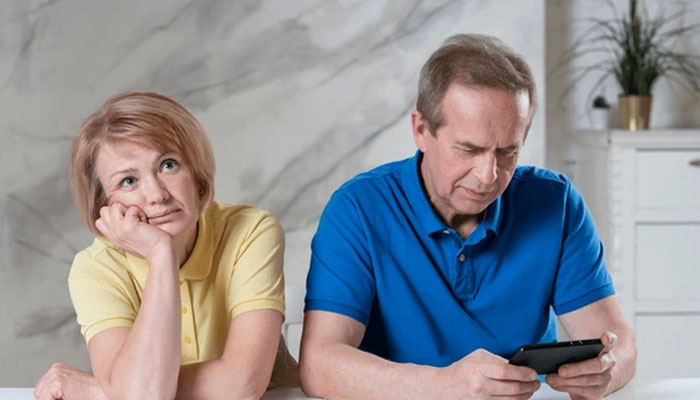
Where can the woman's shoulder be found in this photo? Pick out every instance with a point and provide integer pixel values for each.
(100, 253)
(241, 221)
(241, 214)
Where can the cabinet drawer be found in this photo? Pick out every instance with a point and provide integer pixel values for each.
(667, 346)
(668, 178)
(668, 262)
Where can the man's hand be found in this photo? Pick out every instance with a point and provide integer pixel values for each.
(590, 379)
(483, 375)
(66, 383)
(129, 230)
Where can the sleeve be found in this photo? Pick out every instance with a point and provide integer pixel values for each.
(102, 297)
(582, 277)
(341, 278)
(257, 279)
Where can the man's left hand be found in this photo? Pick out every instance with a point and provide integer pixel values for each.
(590, 379)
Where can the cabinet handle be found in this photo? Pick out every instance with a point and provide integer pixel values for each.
(695, 163)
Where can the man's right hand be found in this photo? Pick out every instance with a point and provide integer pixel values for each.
(128, 229)
(483, 375)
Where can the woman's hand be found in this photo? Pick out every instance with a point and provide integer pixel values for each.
(129, 230)
(64, 382)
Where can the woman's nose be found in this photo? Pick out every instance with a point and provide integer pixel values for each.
(155, 191)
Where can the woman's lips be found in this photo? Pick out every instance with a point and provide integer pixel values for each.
(163, 216)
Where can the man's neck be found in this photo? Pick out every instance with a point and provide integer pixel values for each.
(464, 224)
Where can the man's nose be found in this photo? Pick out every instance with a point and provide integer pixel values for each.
(486, 170)
(155, 191)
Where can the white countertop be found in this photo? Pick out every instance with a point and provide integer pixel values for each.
(667, 389)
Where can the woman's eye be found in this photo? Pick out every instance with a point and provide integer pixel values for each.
(168, 165)
(128, 181)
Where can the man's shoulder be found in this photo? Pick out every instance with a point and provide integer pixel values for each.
(376, 180)
(531, 177)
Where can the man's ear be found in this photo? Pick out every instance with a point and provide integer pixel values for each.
(420, 130)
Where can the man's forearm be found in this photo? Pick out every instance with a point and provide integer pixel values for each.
(338, 371)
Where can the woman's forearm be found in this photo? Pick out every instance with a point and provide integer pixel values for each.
(244, 369)
(148, 364)
(217, 379)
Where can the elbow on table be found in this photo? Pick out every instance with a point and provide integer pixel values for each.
(310, 375)
(248, 386)
(150, 393)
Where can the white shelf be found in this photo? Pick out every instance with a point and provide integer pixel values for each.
(645, 201)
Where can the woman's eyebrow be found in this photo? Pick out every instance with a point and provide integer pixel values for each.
(123, 171)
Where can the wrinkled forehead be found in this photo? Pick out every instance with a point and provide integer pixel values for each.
(127, 144)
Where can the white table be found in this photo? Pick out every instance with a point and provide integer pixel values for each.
(666, 389)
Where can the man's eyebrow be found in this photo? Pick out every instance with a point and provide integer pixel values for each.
(465, 143)
(512, 147)
(471, 145)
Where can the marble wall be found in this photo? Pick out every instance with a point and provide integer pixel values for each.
(674, 106)
(297, 96)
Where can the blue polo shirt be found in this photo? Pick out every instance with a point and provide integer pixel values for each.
(383, 257)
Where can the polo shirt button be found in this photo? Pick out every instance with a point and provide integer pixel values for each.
(184, 310)
(446, 232)
(462, 257)
(188, 340)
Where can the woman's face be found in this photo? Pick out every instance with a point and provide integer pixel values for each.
(160, 184)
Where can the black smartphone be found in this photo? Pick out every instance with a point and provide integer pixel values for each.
(546, 358)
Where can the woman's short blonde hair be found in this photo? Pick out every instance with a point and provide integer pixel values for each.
(151, 120)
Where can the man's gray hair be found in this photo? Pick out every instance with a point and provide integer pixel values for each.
(471, 60)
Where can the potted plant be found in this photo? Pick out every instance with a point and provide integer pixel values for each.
(636, 52)
(600, 113)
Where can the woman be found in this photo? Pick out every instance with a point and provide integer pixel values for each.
(178, 296)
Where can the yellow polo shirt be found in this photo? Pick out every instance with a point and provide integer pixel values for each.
(235, 266)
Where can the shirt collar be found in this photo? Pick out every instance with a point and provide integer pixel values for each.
(413, 185)
(197, 265)
(494, 216)
(428, 219)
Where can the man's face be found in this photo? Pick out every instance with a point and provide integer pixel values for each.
(469, 160)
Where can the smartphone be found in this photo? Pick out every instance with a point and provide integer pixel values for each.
(546, 358)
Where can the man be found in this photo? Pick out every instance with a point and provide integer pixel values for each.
(428, 273)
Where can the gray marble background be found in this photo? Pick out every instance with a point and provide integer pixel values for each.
(297, 97)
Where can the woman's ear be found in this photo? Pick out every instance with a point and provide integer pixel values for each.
(204, 200)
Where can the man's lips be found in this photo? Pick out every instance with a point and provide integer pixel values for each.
(475, 194)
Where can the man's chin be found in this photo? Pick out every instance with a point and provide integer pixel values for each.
(472, 207)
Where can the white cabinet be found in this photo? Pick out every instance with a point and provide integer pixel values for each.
(643, 189)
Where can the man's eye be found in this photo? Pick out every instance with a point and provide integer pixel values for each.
(168, 165)
(128, 181)
(508, 153)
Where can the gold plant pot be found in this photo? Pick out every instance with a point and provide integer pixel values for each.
(634, 112)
